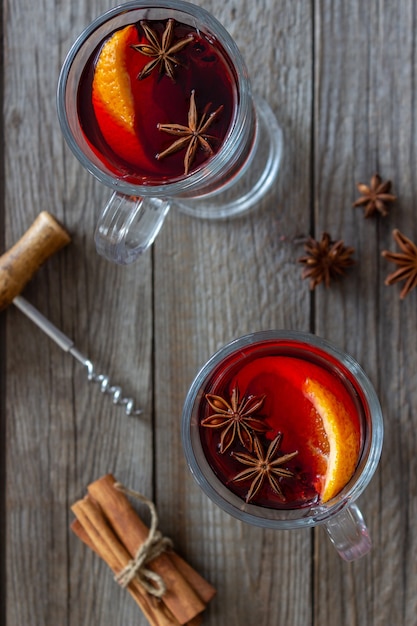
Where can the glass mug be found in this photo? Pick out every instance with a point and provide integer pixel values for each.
(228, 182)
(250, 361)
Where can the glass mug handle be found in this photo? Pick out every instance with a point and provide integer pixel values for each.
(128, 225)
(349, 533)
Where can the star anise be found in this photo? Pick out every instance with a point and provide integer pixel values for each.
(191, 136)
(406, 261)
(235, 418)
(264, 466)
(163, 51)
(325, 260)
(375, 197)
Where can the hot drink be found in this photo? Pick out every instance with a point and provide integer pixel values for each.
(281, 426)
(156, 100)
(283, 430)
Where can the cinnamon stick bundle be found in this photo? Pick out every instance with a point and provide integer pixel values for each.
(109, 525)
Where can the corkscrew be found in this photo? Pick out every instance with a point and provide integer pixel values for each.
(17, 266)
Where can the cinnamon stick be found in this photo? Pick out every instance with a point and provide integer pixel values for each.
(197, 582)
(196, 621)
(109, 525)
(107, 545)
(78, 529)
(186, 595)
(200, 585)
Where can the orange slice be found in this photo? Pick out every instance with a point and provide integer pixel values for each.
(113, 100)
(342, 435)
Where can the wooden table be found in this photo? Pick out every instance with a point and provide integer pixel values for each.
(341, 78)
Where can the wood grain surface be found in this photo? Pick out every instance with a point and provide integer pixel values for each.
(341, 79)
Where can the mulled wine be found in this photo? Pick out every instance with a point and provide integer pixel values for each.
(281, 424)
(156, 100)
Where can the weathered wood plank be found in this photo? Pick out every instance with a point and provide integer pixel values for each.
(364, 107)
(62, 433)
(215, 282)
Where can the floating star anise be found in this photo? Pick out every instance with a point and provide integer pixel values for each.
(235, 418)
(406, 261)
(325, 260)
(191, 136)
(264, 466)
(163, 51)
(375, 197)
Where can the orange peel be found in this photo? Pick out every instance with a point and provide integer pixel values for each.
(112, 95)
(342, 437)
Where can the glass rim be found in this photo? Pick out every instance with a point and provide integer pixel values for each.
(265, 517)
(236, 132)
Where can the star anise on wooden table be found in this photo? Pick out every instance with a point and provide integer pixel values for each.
(163, 51)
(264, 466)
(375, 197)
(325, 260)
(235, 418)
(191, 136)
(406, 261)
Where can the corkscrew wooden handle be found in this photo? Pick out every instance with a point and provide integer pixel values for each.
(17, 266)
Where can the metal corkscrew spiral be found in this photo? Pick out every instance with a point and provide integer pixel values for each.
(105, 386)
(112, 390)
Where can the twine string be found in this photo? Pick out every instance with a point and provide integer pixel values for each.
(154, 545)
